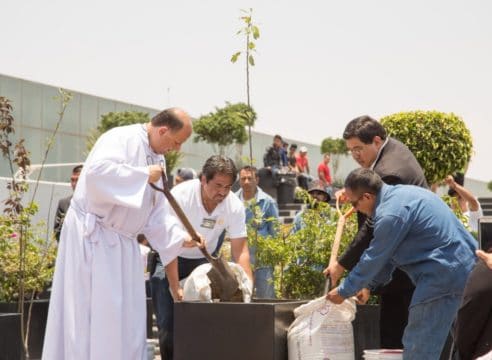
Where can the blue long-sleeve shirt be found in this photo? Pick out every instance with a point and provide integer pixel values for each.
(268, 208)
(415, 231)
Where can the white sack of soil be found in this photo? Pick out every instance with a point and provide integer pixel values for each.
(322, 330)
(196, 287)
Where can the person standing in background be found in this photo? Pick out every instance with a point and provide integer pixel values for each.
(64, 203)
(253, 196)
(324, 173)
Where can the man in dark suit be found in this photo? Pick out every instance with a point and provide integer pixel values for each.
(366, 139)
(64, 203)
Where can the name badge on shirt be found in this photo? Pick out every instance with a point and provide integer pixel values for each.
(208, 223)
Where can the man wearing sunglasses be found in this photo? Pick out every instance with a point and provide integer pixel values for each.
(416, 232)
(370, 146)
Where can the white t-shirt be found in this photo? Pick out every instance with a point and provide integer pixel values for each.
(473, 217)
(230, 215)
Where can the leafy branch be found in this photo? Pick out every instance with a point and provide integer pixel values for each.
(251, 32)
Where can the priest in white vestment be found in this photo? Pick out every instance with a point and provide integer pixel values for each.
(97, 308)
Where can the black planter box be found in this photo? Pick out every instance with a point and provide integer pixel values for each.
(238, 331)
(10, 337)
(252, 331)
(39, 317)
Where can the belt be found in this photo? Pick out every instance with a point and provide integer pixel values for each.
(92, 220)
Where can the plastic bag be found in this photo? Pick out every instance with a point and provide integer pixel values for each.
(196, 287)
(322, 330)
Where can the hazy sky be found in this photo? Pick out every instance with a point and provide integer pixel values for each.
(319, 63)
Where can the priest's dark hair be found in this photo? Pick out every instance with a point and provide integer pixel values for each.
(218, 164)
(363, 181)
(365, 128)
(169, 118)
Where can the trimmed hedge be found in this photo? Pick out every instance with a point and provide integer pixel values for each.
(441, 142)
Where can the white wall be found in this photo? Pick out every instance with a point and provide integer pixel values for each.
(47, 196)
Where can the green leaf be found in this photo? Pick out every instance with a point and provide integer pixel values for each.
(251, 45)
(235, 56)
(251, 60)
(256, 32)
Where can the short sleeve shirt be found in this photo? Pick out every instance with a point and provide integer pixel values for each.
(302, 162)
(322, 167)
(229, 215)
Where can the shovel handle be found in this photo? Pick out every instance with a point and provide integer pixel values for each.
(336, 243)
(181, 215)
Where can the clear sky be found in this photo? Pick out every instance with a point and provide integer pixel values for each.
(319, 63)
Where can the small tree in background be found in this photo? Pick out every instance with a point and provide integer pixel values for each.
(224, 126)
(122, 118)
(114, 119)
(249, 30)
(27, 252)
(441, 142)
(489, 186)
(336, 148)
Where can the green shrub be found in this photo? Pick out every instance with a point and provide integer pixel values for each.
(441, 142)
(225, 126)
(299, 259)
(39, 255)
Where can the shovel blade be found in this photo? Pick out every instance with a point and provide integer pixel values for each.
(223, 281)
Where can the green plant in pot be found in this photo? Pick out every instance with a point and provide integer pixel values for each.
(27, 251)
(38, 255)
(299, 258)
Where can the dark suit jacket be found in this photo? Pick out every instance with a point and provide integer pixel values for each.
(396, 165)
(63, 206)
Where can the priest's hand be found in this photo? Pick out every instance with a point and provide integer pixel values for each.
(189, 242)
(363, 296)
(334, 296)
(155, 173)
(177, 293)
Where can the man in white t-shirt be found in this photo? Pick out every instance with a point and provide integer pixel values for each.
(211, 208)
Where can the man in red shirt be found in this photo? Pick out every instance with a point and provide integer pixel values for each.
(303, 166)
(324, 173)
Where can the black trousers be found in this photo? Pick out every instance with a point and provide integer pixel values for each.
(473, 328)
(394, 317)
(395, 300)
(166, 303)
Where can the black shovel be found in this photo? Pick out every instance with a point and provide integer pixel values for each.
(224, 284)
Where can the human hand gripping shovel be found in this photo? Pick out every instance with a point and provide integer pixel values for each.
(223, 281)
(342, 219)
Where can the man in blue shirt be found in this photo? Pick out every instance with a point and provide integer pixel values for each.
(256, 200)
(415, 231)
